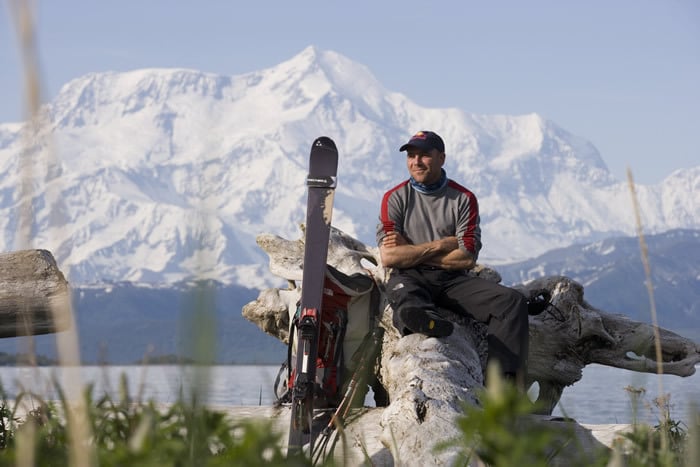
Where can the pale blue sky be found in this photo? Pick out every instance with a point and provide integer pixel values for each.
(624, 74)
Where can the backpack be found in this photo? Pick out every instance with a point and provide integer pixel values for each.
(348, 313)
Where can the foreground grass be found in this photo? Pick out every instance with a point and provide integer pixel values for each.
(136, 434)
(124, 432)
(501, 432)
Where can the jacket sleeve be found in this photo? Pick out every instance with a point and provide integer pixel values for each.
(390, 216)
(468, 228)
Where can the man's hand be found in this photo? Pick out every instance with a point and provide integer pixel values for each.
(393, 239)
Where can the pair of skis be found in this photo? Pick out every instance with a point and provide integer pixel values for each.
(321, 183)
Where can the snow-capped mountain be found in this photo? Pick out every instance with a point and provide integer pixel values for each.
(158, 175)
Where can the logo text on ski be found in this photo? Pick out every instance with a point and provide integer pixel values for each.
(322, 182)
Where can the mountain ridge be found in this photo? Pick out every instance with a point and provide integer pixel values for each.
(613, 276)
(162, 175)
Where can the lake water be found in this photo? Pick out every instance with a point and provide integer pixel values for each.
(600, 397)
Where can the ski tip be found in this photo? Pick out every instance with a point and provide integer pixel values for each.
(324, 142)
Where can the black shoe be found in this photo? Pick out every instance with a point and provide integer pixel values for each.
(426, 322)
(537, 304)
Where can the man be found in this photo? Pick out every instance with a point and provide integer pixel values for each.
(429, 235)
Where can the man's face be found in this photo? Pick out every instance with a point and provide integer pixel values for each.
(425, 166)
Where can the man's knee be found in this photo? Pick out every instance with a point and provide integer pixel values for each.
(517, 298)
(404, 289)
(510, 305)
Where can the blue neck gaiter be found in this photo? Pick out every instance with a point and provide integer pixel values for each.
(433, 187)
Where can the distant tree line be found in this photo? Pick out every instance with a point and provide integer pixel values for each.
(25, 359)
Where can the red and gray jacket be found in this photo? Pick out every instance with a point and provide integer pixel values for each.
(452, 210)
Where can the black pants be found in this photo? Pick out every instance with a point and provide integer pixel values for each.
(502, 309)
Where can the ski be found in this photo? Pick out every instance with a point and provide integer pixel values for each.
(320, 182)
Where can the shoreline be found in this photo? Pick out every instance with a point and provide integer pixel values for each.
(364, 434)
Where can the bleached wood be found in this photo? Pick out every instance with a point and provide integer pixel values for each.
(34, 294)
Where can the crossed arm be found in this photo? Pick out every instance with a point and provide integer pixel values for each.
(396, 252)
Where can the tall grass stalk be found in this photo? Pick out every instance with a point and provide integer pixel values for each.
(37, 153)
(692, 453)
(37, 164)
(652, 303)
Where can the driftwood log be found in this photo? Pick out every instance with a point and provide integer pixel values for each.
(427, 379)
(34, 294)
